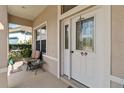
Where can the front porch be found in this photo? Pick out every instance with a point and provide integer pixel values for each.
(28, 79)
(52, 27)
(80, 42)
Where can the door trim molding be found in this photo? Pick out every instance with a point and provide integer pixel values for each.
(3, 70)
(58, 41)
(107, 64)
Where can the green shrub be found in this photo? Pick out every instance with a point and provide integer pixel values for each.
(16, 55)
(20, 51)
(26, 52)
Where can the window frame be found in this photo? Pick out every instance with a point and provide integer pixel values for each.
(66, 33)
(83, 18)
(44, 24)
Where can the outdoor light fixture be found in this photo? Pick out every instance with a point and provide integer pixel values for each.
(23, 7)
(1, 26)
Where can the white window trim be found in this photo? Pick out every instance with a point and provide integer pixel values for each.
(40, 26)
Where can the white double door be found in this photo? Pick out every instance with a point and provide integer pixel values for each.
(84, 47)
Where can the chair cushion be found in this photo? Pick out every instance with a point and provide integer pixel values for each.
(37, 54)
(33, 54)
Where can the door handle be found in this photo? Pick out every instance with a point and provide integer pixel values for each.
(85, 53)
(82, 53)
(72, 51)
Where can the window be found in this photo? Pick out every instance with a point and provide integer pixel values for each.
(41, 39)
(38, 45)
(66, 36)
(19, 34)
(85, 34)
(65, 8)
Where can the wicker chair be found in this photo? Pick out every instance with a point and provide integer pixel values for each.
(36, 62)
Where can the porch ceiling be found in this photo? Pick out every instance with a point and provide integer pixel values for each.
(26, 11)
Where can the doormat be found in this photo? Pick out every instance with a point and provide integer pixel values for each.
(69, 86)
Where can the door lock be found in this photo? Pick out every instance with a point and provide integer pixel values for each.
(72, 51)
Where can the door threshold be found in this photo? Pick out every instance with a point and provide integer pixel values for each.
(72, 82)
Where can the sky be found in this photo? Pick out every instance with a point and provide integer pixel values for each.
(13, 25)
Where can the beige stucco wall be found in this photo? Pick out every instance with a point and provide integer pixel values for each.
(49, 15)
(118, 41)
(117, 62)
(19, 20)
(51, 65)
(3, 45)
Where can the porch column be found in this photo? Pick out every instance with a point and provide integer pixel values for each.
(3, 45)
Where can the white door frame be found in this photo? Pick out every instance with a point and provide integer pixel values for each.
(107, 43)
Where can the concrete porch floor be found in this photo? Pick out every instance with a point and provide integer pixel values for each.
(24, 79)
